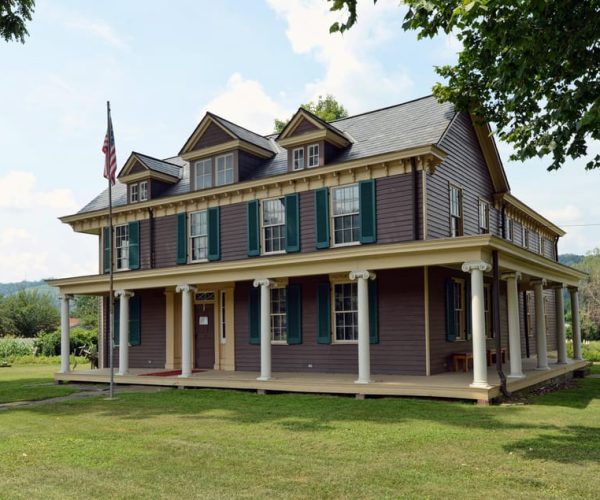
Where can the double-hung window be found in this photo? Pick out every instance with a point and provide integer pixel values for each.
(122, 247)
(203, 173)
(530, 298)
(273, 219)
(508, 228)
(345, 306)
(223, 317)
(456, 211)
(133, 193)
(279, 315)
(345, 214)
(459, 308)
(298, 158)
(143, 190)
(540, 244)
(313, 155)
(487, 310)
(224, 169)
(199, 235)
(484, 217)
(525, 233)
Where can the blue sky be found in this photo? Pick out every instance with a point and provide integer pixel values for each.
(162, 67)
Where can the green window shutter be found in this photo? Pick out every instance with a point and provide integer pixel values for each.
(214, 233)
(294, 314)
(324, 313)
(368, 212)
(106, 242)
(116, 328)
(451, 325)
(134, 245)
(254, 316)
(373, 312)
(253, 223)
(292, 223)
(467, 298)
(182, 238)
(134, 320)
(322, 217)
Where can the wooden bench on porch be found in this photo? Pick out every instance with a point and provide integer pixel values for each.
(463, 358)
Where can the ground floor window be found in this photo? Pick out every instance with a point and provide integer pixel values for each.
(487, 310)
(278, 315)
(530, 313)
(345, 303)
(459, 308)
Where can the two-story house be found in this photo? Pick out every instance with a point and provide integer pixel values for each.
(369, 246)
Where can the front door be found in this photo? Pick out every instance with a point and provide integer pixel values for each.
(204, 354)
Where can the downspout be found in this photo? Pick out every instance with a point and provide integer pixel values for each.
(556, 248)
(151, 226)
(415, 198)
(496, 322)
(526, 313)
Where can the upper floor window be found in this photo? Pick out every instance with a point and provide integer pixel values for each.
(199, 236)
(345, 214)
(508, 229)
(525, 233)
(456, 211)
(313, 155)
(541, 244)
(224, 170)
(298, 159)
(273, 220)
(122, 246)
(345, 307)
(203, 173)
(143, 190)
(484, 217)
(133, 193)
(278, 315)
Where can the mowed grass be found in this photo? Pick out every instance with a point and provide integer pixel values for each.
(225, 444)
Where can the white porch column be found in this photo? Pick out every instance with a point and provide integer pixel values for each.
(561, 340)
(123, 296)
(477, 268)
(265, 327)
(187, 328)
(514, 329)
(364, 349)
(576, 327)
(65, 333)
(540, 326)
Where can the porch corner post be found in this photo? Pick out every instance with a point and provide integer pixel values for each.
(187, 329)
(514, 331)
(477, 268)
(576, 326)
(561, 340)
(364, 352)
(265, 327)
(65, 333)
(123, 296)
(540, 326)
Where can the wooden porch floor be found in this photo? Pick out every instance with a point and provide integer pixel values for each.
(445, 385)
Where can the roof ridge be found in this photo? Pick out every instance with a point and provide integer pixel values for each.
(157, 159)
(233, 123)
(382, 109)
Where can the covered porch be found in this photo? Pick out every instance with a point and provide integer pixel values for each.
(451, 385)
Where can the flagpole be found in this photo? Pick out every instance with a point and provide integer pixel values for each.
(111, 306)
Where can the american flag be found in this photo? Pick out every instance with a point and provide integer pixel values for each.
(110, 154)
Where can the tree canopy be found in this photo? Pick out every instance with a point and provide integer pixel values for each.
(28, 312)
(13, 17)
(327, 108)
(530, 67)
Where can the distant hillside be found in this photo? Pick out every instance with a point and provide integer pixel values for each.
(10, 288)
(570, 259)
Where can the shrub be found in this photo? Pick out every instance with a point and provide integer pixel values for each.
(11, 347)
(48, 344)
(589, 350)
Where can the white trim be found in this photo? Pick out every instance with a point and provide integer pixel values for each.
(143, 184)
(224, 157)
(223, 316)
(263, 227)
(133, 193)
(332, 215)
(310, 156)
(124, 268)
(202, 162)
(333, 284)
(191, 237)
(294, 158)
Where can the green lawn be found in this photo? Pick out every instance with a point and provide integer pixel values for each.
(219, 444)
(29, 383)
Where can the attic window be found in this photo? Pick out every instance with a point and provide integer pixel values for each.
(133, 193)
(298, 156)
(143, 191)
(224, 169)
(313, 155)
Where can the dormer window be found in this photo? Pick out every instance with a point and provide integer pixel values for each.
(224, 169)
(298, 159)
(133, 193)
(203, 173)
(143, 195)
(313, 155)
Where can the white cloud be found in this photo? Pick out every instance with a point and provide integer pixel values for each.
(352, 74)
(246, 103)
(18, 191)
(98, 29)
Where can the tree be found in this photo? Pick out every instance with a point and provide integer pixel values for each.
(530, 67)
(590, 295)
(86, 310)
(7, 327)
(13, 15)
(327, 108)
(31, 312)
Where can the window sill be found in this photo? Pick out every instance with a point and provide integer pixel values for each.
(199, 261)
(341, 245)
(279, 342)
(344, 342)
(279, 252)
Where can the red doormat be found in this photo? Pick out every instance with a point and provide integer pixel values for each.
(172, 373)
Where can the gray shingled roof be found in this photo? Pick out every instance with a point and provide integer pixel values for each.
(414, 123)
(245, 134)
(161, 166)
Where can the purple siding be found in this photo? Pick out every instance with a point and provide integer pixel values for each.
(212, 136)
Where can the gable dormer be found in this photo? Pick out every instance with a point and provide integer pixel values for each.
(221, 152)
(310, 141)
(147, 177)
